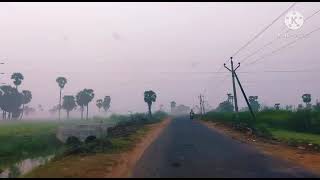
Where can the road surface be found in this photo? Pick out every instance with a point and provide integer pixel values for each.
(189, 149)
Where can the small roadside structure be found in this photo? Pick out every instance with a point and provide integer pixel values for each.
(82, 131)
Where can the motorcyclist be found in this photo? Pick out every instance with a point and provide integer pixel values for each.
(191, 114)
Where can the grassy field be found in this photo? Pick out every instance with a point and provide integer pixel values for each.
(298, 127)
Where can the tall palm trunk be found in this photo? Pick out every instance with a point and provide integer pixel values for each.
(82, 112)
(149, 109)
(22, 111)
(68, 114)
(87, 111)
(60, 104)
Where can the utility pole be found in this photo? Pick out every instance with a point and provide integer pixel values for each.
(203, 109)
(245, 96)
(200, 98)
(233, 70)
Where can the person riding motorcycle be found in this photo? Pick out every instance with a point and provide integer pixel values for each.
(191, 114)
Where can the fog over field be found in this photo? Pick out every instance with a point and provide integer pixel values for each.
(174, 49)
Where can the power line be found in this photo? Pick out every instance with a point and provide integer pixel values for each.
(264, 29)
(271, 42)
(285, 46)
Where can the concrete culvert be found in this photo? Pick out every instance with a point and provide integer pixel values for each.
(73, 141)
(90, 139)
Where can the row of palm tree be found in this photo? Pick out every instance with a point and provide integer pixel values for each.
(82, 99)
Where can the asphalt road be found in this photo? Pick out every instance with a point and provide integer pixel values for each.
(189, 149)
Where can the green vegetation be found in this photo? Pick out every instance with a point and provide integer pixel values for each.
(120, 138)
(22, 140)
(302, 126)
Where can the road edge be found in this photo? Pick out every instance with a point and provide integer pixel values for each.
(296, 155)
(129, 159)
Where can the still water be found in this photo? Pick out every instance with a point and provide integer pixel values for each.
(24, 167)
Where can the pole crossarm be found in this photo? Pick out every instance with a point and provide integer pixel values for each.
(227, 67)
(237, 67)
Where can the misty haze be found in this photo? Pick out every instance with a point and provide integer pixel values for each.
(159, 89)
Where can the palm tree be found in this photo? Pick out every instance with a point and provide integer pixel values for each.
(149, 97)
(253, 100)
(61, 82)
(83, 98)
(173, 105)
(17, 77)
(307, 99)
(68, 104)
(27, 96)
(99, 104)
(80, 101)
(106, 103)
(89, 95)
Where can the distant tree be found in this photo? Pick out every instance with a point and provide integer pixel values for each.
(84, 97)
(277, 106)
(11, 101)
(307, 99)
(149, 97)
(161, 107)
(29, 110)
(40, 107)
(68, 104)
(253, 100)
(230, 98)
(17, 77)
(99, 104)
(61, 82)
(106, 103)
(317, 106)
(54, 109)
(27, 96)
(289, 107)
(173, 106)
(300, 106)
(225, 106)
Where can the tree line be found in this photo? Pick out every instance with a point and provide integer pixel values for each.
(81, 99)
(227, 105)
(13, 102)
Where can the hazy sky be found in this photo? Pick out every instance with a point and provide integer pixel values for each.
(122, 49)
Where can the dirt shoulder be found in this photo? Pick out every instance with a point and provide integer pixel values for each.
(128, 159)
(103, 165)
(307, 159)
